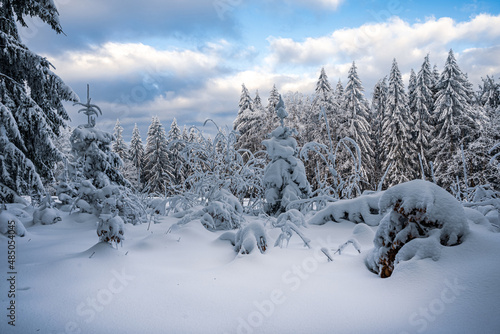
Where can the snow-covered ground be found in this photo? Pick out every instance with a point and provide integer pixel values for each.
(189, 281)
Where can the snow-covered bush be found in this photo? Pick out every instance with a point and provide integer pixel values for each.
(223, 212)
(418, 210)
(215, 167)
(46, 213)
(247, 238)
(289, 222)
(110, 227)
(285, 178)
(363, 209)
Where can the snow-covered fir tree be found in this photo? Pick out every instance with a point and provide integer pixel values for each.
(338, 95)
(295, 105)
(323, 98)
(31, 109)
(119, 145)
(412, 84)
(421, 106)
(455, 122)
(379, 100)
(136, 156)
(271, 120)
(156, 173)
(489, 94)
(175, 145)
(284, 177)
(356, 126)
(250, 122)
(397, 126)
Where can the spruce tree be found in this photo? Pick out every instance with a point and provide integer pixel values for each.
(175, 147)
(323, 98)
(136, 154)
(338, 95)
(397, 125)
(454, 120)
(421, 105)
(356, 126)
(249, 122)
(156, 171)
(31, 108)
(271, 119)
(379, 100)
(119, 145)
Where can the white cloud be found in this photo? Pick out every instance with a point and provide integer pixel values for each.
(117, 60)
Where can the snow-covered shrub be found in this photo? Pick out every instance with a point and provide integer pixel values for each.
(247, 238)
(110, 227)
(223, 212)
(289, 222)
(417, 209)
(363, 209)
(46, 213)
(285, 178)
(6, 219)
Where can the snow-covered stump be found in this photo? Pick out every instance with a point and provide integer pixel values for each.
(422, 217)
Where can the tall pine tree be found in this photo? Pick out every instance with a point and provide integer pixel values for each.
(156, 173)
(379, 101)
(119, 145)
(454, 119)
(421, 106)
(397, 125)
(31, 108)
(356, 125)
(136, 154)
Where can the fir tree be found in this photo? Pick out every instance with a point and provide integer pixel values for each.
(175, 147)
(31, 109)
(271, 121)
(323, 97)
(156, 171)
(119, 145)
(284, 177)
(397, 126)
(248, 123)
(454, 119)
(421, 105)
(338, 95)
(379, 101)
(136, 153)
(356, 125)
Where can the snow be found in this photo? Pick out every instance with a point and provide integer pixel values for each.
(414, 210)
(189, 281)
(363, 209)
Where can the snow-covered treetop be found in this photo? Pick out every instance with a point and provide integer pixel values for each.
(89, 110)
(281, 111)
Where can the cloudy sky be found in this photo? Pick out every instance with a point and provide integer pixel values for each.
(187, 59)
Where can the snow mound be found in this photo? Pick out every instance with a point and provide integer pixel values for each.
(363, 234)
(9, 222)
(476, 217)
(418, 209)
(363, 209)
(247, 238)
